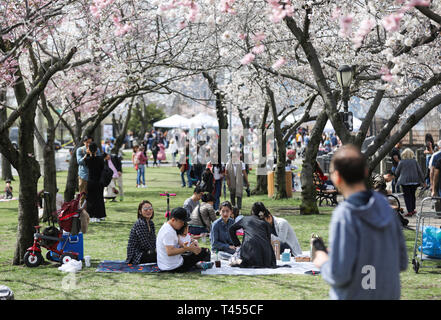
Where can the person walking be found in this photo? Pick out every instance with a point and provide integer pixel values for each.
(367, 249)
(95, 199)
(409, 177)
(236, 175)
(140, 160)
(218, 175)
(155, 150)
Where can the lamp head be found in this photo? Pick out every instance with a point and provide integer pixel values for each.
(345, 75)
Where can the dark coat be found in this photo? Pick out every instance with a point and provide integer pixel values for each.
(95, 198)
(256, 250)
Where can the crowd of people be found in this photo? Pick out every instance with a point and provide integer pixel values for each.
(176, 247)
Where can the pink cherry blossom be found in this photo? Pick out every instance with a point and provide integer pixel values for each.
(279, 63)
(392, 22)
(365, 27)
(242, 36)
(258, 49)
(248, 58)
(386, 74)
(346, 26)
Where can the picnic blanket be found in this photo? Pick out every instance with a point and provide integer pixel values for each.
(122, 266)
(291, 267)
(4, 200)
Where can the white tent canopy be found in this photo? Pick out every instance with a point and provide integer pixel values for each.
(175, 121)
(202, 120)
(356, 124)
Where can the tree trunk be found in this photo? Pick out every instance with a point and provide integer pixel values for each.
(29, 173)
(122, 133)
(262, 179)
(72, 176)
(309, 203)
(280, 170)
(6, 165)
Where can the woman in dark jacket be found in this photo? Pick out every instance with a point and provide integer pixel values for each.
(95, 198)
(256, 250)
(409, 176)
(141, 247)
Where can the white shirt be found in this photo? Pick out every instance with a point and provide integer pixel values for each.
(167, 236)
(431, 164)
(216, 173)
(185, 239)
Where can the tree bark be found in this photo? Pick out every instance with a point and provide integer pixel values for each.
(281, 149)
(122, 133)
(262, 179)
(6, 165)
(309, 203)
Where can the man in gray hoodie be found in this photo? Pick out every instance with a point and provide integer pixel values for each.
(367, 248)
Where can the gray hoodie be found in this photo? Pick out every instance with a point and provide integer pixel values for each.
(367, 251)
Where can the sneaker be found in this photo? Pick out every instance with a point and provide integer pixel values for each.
(144, 186)
(102, 219)
(204, 265)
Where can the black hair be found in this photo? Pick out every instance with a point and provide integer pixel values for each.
(258, 209)
(198, 189)
(208, 197)
(93, 147)
(181, 231)
(235, 212)
(85, 138)
(350, 163)
(141, 204)
(226, 204)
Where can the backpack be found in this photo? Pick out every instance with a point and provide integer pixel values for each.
(106, 175)
(69, 215)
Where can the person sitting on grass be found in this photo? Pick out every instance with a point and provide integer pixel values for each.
(203, 215)
(173, 258)
(193, 201)
(142, 240)
(281, 230)
(256, 250)
(8, 190)
(220, 236)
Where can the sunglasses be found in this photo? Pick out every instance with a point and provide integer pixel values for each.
(147, 209)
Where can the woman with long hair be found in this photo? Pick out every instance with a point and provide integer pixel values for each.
(141, 247)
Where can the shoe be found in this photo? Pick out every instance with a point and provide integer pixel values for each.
(204, 265)
(144, 186)
(101, 219)
(410, 214)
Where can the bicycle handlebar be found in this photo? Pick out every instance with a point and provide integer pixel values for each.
(169, 194)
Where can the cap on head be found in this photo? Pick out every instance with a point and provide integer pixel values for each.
(180, 213)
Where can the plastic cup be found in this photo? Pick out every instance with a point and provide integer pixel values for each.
(87, 261)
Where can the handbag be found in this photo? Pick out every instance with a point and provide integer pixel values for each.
(200, 217)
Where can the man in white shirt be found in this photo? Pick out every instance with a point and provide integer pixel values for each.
(170, 255)
(236, 175)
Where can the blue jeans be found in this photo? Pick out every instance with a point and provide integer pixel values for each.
(395, 188)
(189, 179)
(141, 174)
(196, 230)
(183, 178)
(217, 193)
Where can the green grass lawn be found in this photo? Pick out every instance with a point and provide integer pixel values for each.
(108, 240)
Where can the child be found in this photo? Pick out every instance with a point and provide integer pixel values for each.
(185, 239)
(183, 236)
(8, 190)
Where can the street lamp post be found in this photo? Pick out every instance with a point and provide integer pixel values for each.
(345, 75)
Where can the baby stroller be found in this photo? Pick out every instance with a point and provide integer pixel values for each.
(52, 237)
